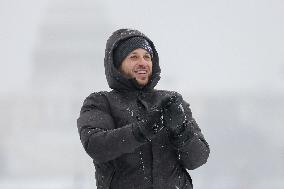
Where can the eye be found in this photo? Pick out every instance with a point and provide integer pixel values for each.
(133, 57)
(147, 57)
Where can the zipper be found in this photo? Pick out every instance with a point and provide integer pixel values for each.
(152, 165)
(111, 178)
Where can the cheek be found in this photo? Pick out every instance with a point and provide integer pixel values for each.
(126, 69)
(151, 66)
(125, 66)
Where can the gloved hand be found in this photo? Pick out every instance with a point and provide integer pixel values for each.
(179, 126)
(150, 123)
(173, 115)
(150, 120)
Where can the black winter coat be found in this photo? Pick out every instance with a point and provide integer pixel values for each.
(121, 160)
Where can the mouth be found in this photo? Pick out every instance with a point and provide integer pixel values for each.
(142, 75)
(140, 72)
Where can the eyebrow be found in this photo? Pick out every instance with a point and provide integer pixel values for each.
(137, 53)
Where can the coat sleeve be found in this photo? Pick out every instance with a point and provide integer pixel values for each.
(97, 131)
(192, 148)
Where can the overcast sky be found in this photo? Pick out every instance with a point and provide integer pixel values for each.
(206, 45)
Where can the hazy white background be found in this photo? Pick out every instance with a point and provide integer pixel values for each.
(226, 57)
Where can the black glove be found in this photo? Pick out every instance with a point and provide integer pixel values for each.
(173, 115)
(179, 126)
(150, 120)
(150, 124)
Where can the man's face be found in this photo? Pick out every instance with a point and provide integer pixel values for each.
(138, 65)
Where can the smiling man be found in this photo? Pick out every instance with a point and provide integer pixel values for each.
(137, 136)
(138, 65)
(133, 58)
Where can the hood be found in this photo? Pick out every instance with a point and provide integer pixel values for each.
(114, 78)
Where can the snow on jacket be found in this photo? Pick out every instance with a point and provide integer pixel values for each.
(106, 125)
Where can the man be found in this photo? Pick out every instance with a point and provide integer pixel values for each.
(139, 137)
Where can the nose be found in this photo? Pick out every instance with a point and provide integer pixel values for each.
(142, 61)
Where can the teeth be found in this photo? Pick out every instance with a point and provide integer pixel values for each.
(141, 71)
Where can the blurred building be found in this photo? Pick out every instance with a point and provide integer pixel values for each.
(40, 145)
